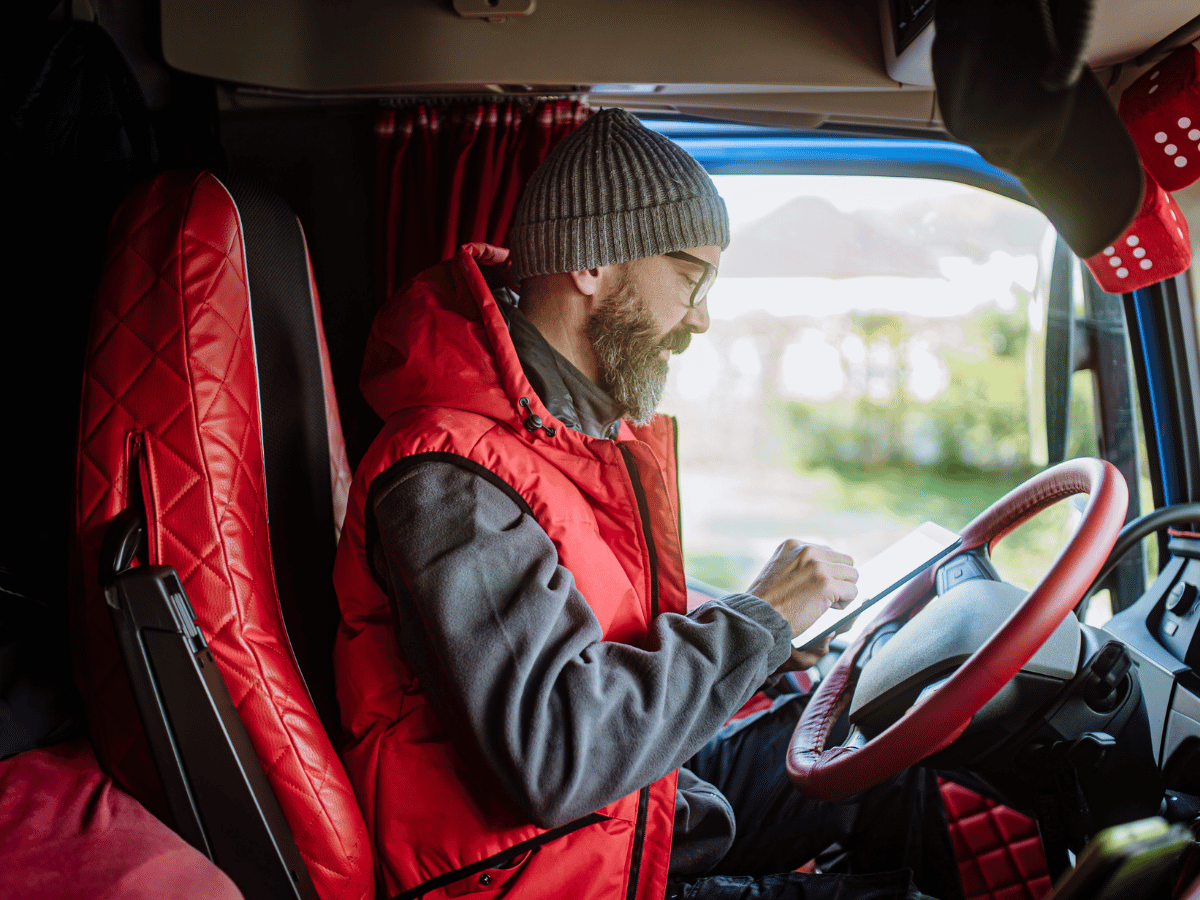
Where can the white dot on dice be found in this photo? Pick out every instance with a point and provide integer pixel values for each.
(1121, 273)
(1185, 122)
(1181, 161)
(1115, 261)
(1170, 149)
(1194, 134)
(1109, 251)
(1139, 252)
(1153, 88)
(1161, 137)
(1132, 240)
(1145, 264)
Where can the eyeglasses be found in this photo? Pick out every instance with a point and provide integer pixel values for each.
(700, 291)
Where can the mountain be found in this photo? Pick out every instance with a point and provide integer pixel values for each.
(809, 236)
(970, 225)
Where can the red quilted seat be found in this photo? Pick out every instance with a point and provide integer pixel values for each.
(999, 850)
(184, 412)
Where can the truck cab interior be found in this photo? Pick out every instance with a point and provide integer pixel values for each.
(960, 289)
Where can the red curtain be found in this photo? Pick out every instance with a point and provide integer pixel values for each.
(451, 174)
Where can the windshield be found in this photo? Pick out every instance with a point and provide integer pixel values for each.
(868, 367)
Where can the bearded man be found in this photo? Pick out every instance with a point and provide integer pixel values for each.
(530, 706)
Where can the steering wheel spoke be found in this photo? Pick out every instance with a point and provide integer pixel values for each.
(967, 565)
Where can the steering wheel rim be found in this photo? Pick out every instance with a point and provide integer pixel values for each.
(935, 721)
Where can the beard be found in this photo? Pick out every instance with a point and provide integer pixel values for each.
(629, 349)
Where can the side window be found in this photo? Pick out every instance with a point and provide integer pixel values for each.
(1189, 202)
(868, 367)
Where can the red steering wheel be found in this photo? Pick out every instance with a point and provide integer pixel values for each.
(934, 722)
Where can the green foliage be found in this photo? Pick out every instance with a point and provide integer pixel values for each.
(727, 571)
(948, 458)
(975, 428)
(914, 494)
(889, 326)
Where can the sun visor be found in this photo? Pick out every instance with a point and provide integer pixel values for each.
(1015, 89)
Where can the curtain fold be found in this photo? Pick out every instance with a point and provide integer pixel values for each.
(450, 174)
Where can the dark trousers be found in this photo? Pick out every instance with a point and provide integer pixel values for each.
(892, 838)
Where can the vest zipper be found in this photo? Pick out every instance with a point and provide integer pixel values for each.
(639, 832)
(675, 458)
(639, 841)
(644, 512)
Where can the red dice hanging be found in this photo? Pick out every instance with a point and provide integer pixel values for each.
(1154, 247)
(1162, 112)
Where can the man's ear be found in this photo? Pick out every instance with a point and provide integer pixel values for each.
(586, 281)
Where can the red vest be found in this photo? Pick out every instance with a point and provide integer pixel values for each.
(442, 371)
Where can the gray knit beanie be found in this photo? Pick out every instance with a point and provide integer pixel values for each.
(610, 192)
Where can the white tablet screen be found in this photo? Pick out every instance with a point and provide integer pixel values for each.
(877, 578)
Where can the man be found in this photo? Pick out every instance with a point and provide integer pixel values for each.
(520, 679)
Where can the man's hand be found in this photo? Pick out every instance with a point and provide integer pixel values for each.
(801, 581)
(801, 660)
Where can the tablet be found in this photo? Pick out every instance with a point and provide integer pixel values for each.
(922, 547)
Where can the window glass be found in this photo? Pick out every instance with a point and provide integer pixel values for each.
(1189, 202)
(866, 369)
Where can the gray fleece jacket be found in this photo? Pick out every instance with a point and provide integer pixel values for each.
(606, 718)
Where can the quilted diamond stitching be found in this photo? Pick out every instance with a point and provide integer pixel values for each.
(213, 358)
(107, 688)
(999, 850)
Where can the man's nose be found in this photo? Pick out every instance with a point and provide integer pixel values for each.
(697, 319)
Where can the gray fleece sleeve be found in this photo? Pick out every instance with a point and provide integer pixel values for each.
(563, 721)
